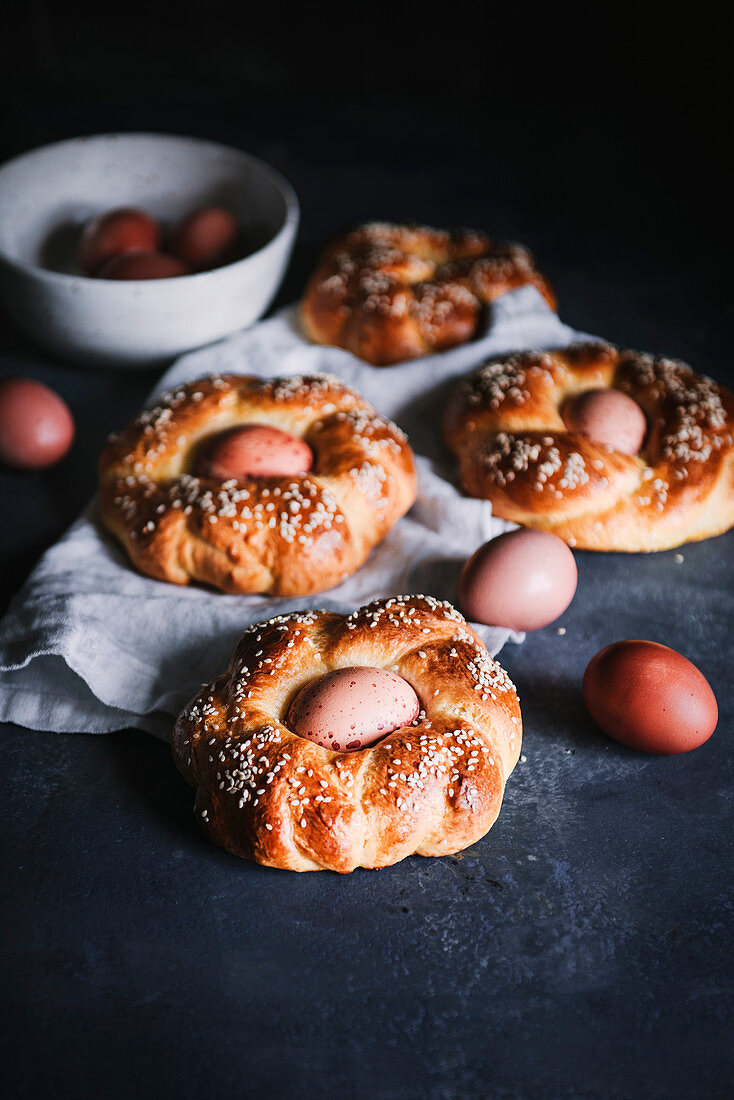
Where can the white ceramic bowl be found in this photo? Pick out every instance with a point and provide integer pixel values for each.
(48, 194)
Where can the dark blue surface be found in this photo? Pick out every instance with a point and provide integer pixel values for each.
(584, 947)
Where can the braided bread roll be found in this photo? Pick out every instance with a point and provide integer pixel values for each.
(431, 788)
(504, 424)
(393, 292)
(285, 536)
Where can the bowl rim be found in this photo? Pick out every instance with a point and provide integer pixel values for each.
(61, 278)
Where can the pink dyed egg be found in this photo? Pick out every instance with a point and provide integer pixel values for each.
(255, 450)
(207, 237)
(36, 426)
(650, 697)
(143, 265)
(125, 229)
(352, 708)
(521, 580)
(609, 417)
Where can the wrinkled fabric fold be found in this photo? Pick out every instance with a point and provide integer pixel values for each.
(90, 645)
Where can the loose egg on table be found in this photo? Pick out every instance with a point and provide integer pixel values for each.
(352, 708)
(649, 697)
(36, 426)
(609, 417)
(207, 237)
(254, 450)
(143, 265)
(122, 230)
(521, 580)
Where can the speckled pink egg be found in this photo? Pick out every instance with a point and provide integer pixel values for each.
(521, 580)
(609, 417)
(255, 450)
(352, 708)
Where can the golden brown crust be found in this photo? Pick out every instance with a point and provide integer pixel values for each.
(393, 292)
(504, 424)
(432, 788)
(283, 536)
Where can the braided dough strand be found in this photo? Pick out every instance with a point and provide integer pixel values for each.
(393, 292)
(504, 423)
(431, 788)
(283, 536)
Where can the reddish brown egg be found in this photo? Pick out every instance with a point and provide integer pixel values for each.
(352, 708)
(608, 417)
(649, 697)
(143, 265)
(207, 237)
(254, 450)
(114, 233)
(36, 426)
(521, 580)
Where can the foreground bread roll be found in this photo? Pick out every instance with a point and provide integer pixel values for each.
(505, 425)
(286, 536)
(391, 292)
(431, 788)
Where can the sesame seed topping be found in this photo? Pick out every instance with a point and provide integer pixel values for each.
(262, 765)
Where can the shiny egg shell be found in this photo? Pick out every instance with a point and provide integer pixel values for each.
(352, 708)
(143, 265)
(125, 229)
(649, 697)
(36, 426)
(522, 580)
(608, 417)
(207, 237)
(254, 450)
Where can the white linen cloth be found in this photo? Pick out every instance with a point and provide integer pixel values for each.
(90, 645)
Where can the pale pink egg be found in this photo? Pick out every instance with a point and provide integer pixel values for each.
(36, 426)
(609, 417)
(521, 580)
(352, 708)
(255, 450)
